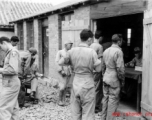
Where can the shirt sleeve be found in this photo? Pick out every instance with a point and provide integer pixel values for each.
(96, 61)
(120, 65)
(65, 60)
(103, 66)
(13, 64)
(100, 52)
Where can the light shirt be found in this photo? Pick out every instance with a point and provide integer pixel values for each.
(114, 63)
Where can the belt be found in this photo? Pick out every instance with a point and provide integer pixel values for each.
(9, 77)
(83, 75)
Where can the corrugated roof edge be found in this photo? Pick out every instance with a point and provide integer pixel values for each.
(54, 8)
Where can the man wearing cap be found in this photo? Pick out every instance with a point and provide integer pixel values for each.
(113, 78)
(10, 82)
(98, 75)
(30, 71)
(83, 60)
(64, 72)
(137, 60)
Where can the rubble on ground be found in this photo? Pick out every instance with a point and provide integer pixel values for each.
(47, 108)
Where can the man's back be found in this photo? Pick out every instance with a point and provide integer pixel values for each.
(113, 60)
(98, 48)
(82, 59)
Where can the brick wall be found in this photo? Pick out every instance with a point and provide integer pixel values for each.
(55, 35)
(36, 38)
(53, 22)
(83, 13)
(25, 34)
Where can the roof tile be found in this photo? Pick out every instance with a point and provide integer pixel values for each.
(10, 10)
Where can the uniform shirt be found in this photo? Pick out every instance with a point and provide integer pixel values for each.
(84, 60)
(11, 62)
(114, 63)
(27, 56)
(98, 48)
(136, 62)
(65, 68)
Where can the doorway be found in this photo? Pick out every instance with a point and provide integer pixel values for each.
(131, 28)
(45, 51)
(122, 25)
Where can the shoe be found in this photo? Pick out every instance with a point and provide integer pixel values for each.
(61, 103)
(32, 95)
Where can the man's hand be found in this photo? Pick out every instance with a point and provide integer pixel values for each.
(63, 73)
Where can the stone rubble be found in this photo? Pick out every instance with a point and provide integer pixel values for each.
(47, 109)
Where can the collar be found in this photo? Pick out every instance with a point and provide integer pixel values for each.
(116, 46)
(9, 50)
(96, 41)
(65, 50)
(83, 45)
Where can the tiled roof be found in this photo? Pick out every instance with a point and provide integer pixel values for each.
(60, 6)
(10, 11)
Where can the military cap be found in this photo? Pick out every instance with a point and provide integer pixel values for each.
(33, 50)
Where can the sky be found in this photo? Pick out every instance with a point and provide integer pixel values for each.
(54, 2)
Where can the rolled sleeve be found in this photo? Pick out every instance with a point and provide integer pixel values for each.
(100, 53)
(96, 61)
(65, 60)
(12, 67)
(120, 65)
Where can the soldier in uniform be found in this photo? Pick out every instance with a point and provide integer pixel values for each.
(64, 72)
(31, 72)
(14, 41)
(98, 75)
(113, 78)
(83, 60)
(10, 81)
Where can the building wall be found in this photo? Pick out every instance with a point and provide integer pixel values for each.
(55, 35)
(25, 34)
(7, 34)
(53, 22)
(83, 13)
(36, 38)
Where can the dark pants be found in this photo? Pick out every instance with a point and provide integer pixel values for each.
(99, 90)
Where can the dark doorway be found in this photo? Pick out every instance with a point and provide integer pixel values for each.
(45, 51)
(121, 24)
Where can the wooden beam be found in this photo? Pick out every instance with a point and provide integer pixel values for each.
(148, 21)
(111, 9)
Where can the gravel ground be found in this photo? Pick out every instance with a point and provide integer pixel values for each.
(47, 108)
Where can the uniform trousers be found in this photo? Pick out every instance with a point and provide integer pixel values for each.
(110, 101)
(83, 101)
(8, 99)
(99, 89)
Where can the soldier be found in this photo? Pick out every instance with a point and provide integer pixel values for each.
(137, 60)
(83, 60)
(113, 78)
(31, 72)
(10, 81)
(64, 72)
(14, 41)
(98, 75)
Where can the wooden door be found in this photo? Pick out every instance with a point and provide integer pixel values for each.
(71, 31)
(146, 103)
(45, 52)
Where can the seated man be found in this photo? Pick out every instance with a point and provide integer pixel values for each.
(137, 60)
(30, 72)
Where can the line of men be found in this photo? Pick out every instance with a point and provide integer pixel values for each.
(11, 71)
(89, 63)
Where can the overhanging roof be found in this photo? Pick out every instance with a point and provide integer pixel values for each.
(11, 10)
(52, 10)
